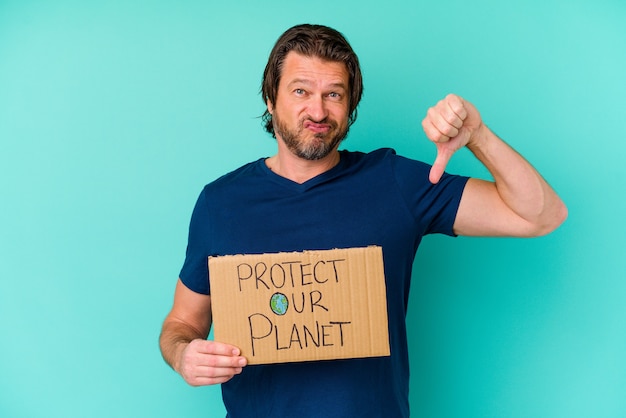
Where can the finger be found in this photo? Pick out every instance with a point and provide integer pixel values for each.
(447, 128)
(202, 353)
(206, 381)
(216, 372)
(456, 107)
(439, 166)
(220, 361)
(206, 369)
(215, 347)
(452, 114)
(203, 380)
(432, 132)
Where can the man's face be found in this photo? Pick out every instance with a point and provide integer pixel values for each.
(311, 111)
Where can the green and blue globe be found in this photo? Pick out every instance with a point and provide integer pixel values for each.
(279, 303)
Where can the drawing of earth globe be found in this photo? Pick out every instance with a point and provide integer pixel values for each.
(279, 303)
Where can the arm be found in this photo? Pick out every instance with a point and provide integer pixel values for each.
(518, 203)
(185, 348)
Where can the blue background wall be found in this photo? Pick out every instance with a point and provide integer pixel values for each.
(114, 114)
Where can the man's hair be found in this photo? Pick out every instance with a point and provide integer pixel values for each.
(311, 41)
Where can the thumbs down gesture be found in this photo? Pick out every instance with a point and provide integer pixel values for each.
(451, 124)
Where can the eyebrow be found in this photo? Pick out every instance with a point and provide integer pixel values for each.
(306, 81)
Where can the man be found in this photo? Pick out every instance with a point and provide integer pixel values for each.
(312, 196)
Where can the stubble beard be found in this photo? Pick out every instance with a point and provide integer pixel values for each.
(320, 146)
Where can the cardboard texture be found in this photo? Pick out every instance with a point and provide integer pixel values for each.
(301, 306)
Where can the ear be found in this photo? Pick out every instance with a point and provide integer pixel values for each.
(270, 106)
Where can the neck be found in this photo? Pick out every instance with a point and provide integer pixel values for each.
(299, 170)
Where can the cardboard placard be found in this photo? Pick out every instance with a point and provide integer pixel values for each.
(301, 306)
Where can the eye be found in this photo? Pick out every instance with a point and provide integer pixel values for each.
(299, 92)
(334, 95)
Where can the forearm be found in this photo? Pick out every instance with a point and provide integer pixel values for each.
(521, 188)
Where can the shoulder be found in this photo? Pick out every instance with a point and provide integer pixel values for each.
(412, 175)
(386, 158)
(375, 157)
(237, 176)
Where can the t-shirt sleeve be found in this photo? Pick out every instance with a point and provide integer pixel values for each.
(195, 271)
(434, 206)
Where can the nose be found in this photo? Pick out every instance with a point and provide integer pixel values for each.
(316, 108)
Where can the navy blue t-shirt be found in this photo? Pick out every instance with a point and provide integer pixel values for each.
(378, 198)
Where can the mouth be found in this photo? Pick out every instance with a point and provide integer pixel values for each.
(317, 128)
